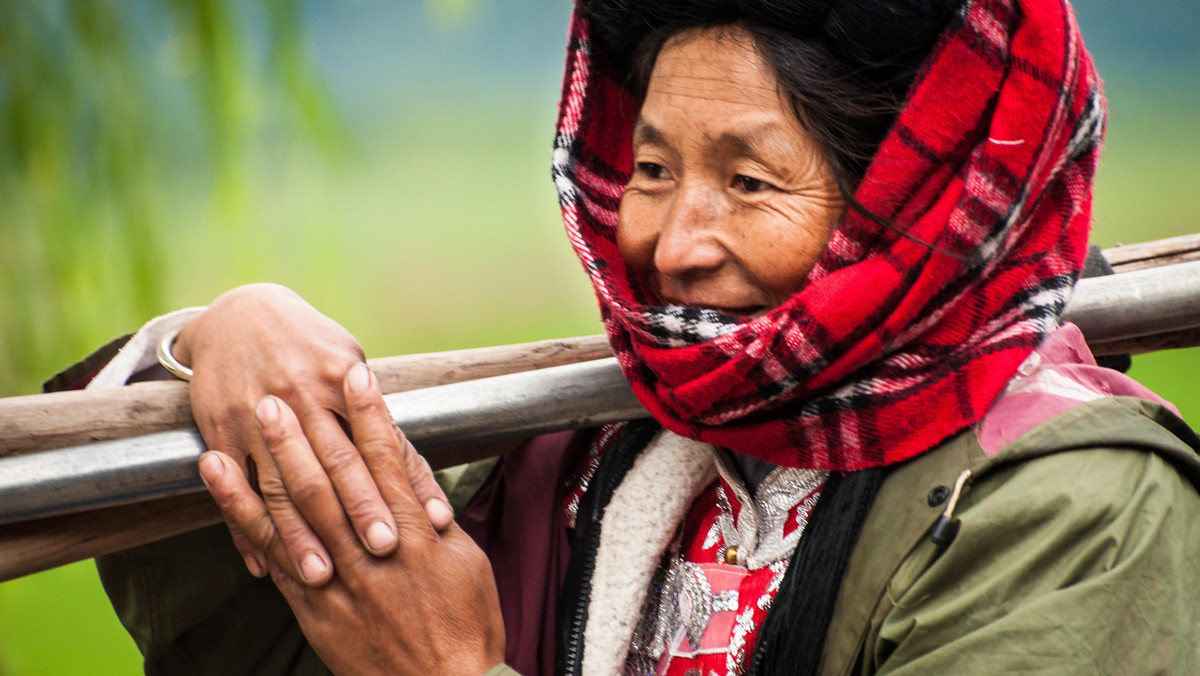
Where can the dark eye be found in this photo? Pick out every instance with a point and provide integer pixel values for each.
(750, 184)
(652, 170)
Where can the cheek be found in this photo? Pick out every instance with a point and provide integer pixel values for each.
(781, 260)
(636, 230)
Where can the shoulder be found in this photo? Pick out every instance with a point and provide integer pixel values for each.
(1074, 544)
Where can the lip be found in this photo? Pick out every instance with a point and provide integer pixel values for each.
(747, 304)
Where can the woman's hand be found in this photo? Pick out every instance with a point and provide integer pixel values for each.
(263, 339)
(429, 608)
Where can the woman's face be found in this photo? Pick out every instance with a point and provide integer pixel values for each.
(731, 201)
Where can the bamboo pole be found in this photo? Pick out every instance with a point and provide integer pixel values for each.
(40, 422)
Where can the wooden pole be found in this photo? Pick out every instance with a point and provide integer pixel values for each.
(41, 422)
(437, 420)
(44, 421)
(1130, 257)
(48, 421)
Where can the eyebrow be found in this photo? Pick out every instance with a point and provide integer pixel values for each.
(748, 143)
(644, 132)
(754, 141)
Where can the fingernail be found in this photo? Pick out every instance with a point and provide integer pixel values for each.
(359, 378)
(211, 468)
(312, 567)
(268, 411)
(254, 566)
(380, 536)
(439, 513)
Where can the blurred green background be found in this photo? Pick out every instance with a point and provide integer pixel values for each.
(390, 161)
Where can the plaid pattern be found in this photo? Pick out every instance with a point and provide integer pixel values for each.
(896, 341)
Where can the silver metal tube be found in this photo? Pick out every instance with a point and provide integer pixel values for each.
(122, 471)
(1135, 304)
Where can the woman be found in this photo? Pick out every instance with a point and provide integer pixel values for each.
(831, 262)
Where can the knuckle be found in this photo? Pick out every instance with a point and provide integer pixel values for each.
(278, 503)
(307, 492)
(291, 388)
(333, 371)
(372, 441)
(336, 452)
(376, 447)
(418, 533)
(406, 448)
(276, 436)
(475, 561)
(258, 529)
(264, 531)
(423, 462)
(225, 422)
(225, 498)
(270, 484)
(368, 404)
(479, 559)
(416, 464)
(361, 505)
(285, 526)
(292, 533)
(342, 462)
(355, 560)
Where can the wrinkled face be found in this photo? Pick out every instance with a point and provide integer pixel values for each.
(731, 201)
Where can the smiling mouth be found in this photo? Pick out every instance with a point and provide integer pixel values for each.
(698, 302)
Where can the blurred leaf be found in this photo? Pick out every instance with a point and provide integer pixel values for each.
(87, 158)
(451, 14)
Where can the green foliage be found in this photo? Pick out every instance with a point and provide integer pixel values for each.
(59, 623)
(450, 13)
(86, 155)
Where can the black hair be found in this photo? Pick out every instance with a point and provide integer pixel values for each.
(847, 65)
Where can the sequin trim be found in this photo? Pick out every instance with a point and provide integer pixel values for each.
(761, 530)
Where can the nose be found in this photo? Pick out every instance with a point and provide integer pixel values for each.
(687, 248)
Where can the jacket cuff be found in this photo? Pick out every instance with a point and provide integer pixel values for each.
(78, 375)
(139, 353)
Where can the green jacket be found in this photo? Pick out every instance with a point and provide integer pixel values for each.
(1077, 553)
(1074, 555)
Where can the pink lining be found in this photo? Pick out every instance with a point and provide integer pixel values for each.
(1058, 376)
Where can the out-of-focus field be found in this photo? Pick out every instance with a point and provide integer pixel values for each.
(438, 229)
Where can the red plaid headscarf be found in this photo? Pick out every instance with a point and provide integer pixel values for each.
(892, 345)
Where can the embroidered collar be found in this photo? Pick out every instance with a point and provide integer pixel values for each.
(766, 526)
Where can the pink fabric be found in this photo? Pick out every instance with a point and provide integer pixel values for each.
(1060, 375)
(515, 518)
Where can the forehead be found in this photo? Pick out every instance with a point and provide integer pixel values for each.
(716, 66)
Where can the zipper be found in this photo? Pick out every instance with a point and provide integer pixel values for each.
(625, 452)
(944, 530)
